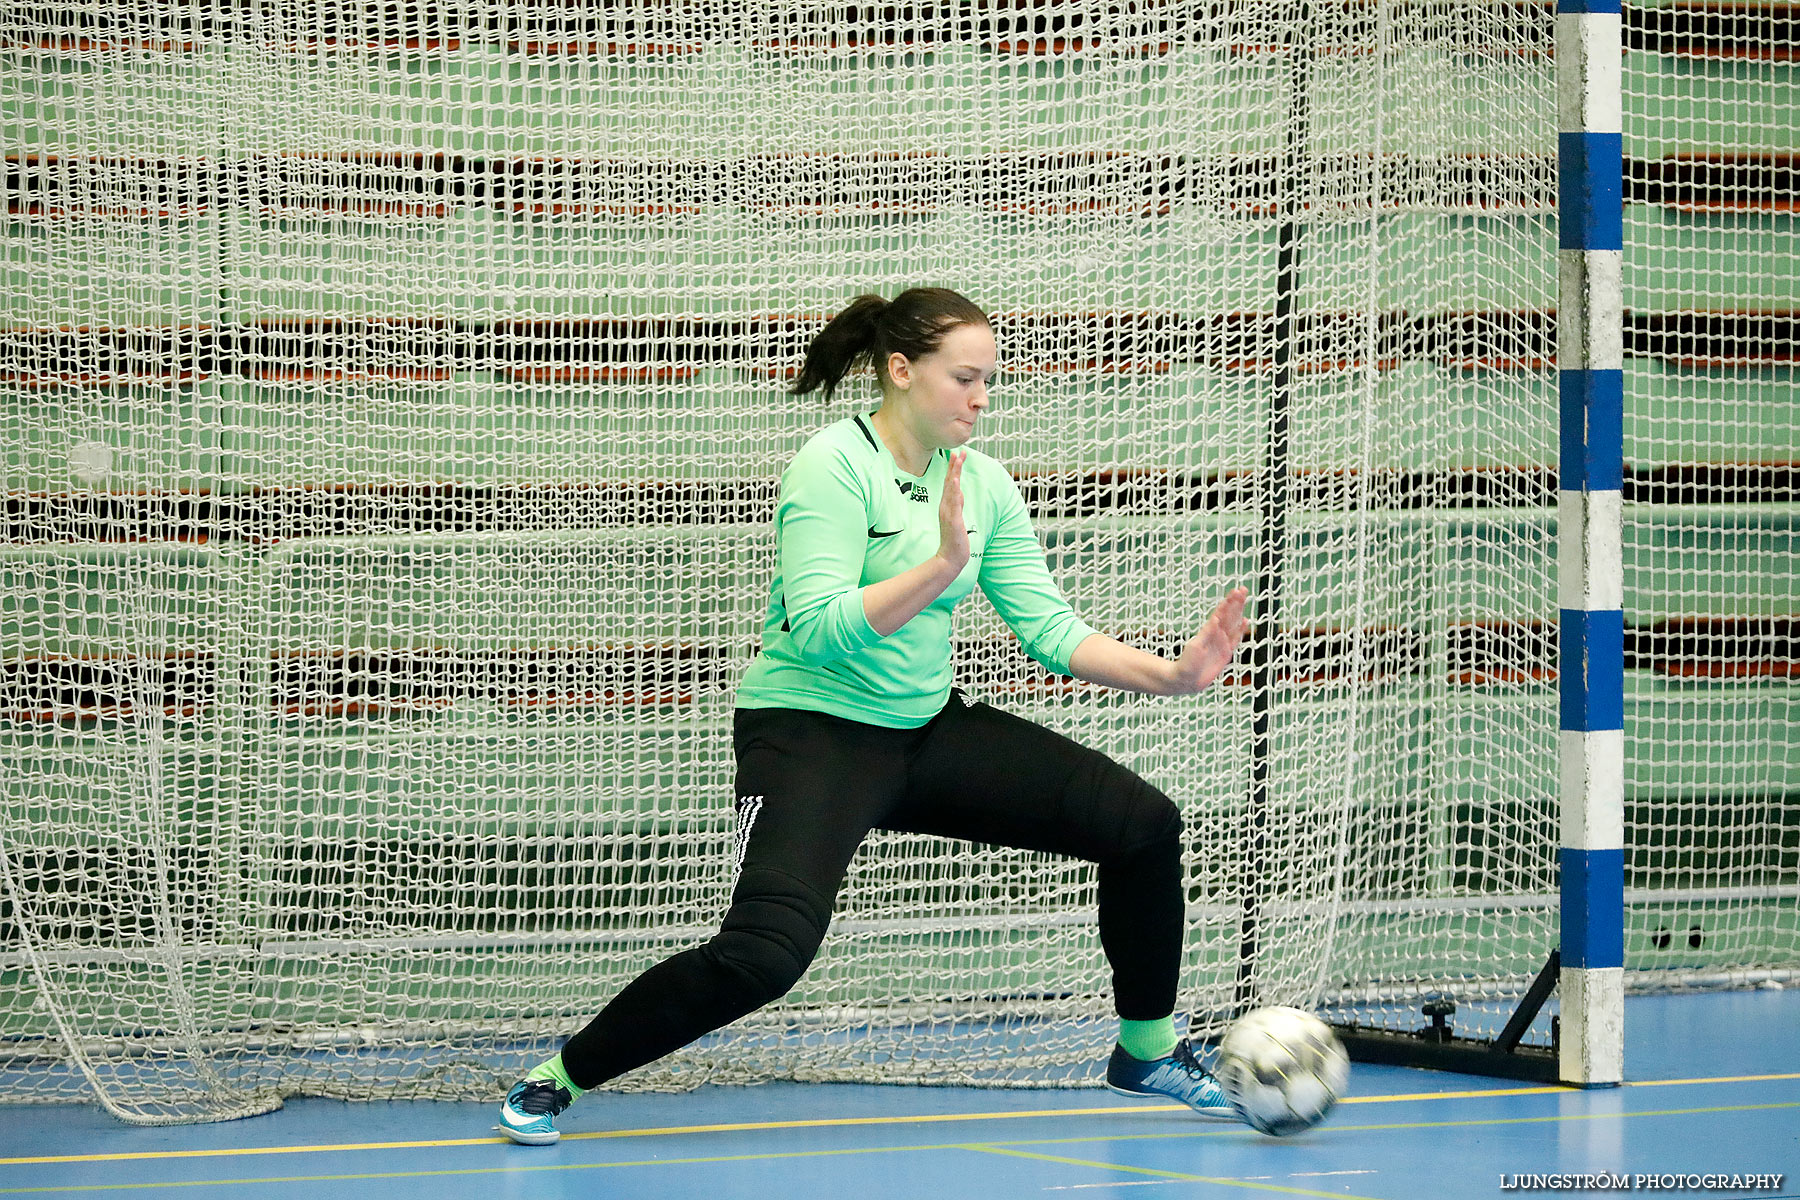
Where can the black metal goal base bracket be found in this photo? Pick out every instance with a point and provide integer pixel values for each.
(1437, 1047)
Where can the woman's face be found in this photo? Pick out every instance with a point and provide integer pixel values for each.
(942, 394)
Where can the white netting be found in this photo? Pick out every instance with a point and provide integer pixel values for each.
(1712, 590)
(393, 407)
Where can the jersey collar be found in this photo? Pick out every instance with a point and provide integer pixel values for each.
(868, 432)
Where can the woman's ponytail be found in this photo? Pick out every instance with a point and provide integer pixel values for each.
(849, 338)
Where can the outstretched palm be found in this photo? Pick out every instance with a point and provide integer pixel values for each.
(1211, 650)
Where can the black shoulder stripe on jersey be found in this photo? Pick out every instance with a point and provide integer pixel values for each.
(867, 434)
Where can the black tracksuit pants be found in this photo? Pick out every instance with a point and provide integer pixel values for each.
(810, 787)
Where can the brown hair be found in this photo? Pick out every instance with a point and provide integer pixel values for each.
(913, 323)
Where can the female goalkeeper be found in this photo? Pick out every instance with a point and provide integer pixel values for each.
(847, 720)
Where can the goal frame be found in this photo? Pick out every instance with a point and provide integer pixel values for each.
(1587, 968)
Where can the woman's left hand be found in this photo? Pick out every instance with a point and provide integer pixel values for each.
(1211, 650)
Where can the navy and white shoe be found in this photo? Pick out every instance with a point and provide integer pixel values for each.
(530, 1110)
(1179, 1077)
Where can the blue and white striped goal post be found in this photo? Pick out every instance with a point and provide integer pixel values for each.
(1591, 670)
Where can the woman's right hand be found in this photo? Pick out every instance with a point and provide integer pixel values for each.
(953, 535)
(893, 602)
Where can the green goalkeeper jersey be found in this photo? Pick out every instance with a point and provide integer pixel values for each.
(847, 517)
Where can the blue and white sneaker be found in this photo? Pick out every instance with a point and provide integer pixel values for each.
(1179, 1077)
(529, 1110)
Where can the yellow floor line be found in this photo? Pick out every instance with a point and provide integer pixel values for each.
(825, 1123)
(510, 1169)
(1006, 1148)
(1110, 1166)
(1371, 1126)
(1716, 1079)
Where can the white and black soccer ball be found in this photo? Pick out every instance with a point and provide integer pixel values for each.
(1283, 1068)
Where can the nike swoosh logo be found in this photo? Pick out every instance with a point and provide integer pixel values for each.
(876, 533)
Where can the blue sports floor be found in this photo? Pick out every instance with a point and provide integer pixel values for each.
(1714, 1088)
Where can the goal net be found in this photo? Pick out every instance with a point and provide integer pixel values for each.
(393, 404)
(1712, 589)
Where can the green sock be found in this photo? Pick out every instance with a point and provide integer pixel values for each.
(1148, 1041)
(553, 1071)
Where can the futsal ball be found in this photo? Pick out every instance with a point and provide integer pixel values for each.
(1283, 1068)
